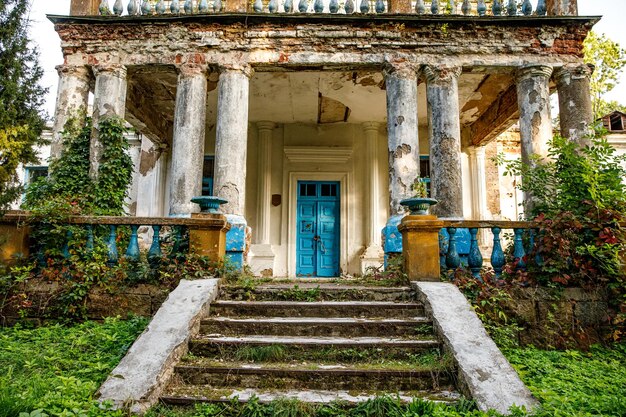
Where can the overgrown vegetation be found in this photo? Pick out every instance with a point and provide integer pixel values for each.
(55, 370)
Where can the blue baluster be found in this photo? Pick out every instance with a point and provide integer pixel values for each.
(420, 8)
(496, 8)
(475, 258)
(188, 6)
(132, 252)
(66, 247)
(318, 6)
(203, 6)
(89, 245)
(146, 7)
(160, 7)
(444, 239)
(497, 255)
(380, 6)
(258, 6)
(288, 6)
(104, 9)
(518, 249)
(452, 6)
(333, 6)
(527, 8)
(434, 7)
(175, 7)
(273, 6)
(481, 8)
(511, 8)
(217, 6)
(118, 7)
(453, 260)
(155, 248)
(365, 6)
(112, 246)
(542, 9)
(133, 7)
(536, 247)
(349, 6)
(178, 237)
(303, 6)
(466, 8)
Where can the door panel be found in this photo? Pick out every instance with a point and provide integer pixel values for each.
(318, 229)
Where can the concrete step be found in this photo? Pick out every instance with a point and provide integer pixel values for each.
(313, 292)
(317, 326)
(277, 377)
(370, 309)
(189, 395)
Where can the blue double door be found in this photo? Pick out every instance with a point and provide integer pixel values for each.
(317, 253)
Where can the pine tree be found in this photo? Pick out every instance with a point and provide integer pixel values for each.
(21, 97)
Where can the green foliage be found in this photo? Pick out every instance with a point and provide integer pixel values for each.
(609, 59)
(21, 98)
(55, 370)
(391, 275)
(300, 294)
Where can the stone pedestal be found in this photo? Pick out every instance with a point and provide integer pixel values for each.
(14, 239)
(420, 244)
(262, 260)
(237, 240)
(209, 240)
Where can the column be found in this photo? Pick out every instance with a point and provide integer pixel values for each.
(533, 97)
(262, 255)
(230, 156)
(403, 146)
(135, 154)
(576, 111)
(109, 101)
(373, 254)
(442, 90)
(479, 188)
(188, 139)
(72, 101)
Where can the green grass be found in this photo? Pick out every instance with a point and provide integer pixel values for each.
(57, 368)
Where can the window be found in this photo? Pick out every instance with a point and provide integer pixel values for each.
(425, 171)
(617, 123)
(208, 173)
(33, 173)
(307, 190)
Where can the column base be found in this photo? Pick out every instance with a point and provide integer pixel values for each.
(262, 260)
(372, 258)
(392, 238)
(237, 240)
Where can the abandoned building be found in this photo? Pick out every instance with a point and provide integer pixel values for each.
(313, 120)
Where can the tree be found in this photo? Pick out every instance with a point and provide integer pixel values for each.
(21, 98)
(609, 60)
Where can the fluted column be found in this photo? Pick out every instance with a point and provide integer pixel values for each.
(188, 139)
(372, 256)
(232, 138)
(402, 132)
(72, 101)
(575, 109)
(442, 87)
(109, 101)
(266, 130)
(134, 151)
(479, 182)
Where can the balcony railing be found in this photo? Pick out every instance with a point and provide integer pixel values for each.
(478, 8)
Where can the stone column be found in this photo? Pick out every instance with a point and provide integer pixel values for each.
(262, 256)
(109, 101)
(373, 254)
(188, 139)
(231, 146)
(442, 89)
(135, 154)
(72, 101)
(533, 97)
(479, 188)
(403, 146)
(576, 111)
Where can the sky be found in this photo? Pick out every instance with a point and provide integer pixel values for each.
(44, 36)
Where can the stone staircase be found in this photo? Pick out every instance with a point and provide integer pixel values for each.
(313, 342)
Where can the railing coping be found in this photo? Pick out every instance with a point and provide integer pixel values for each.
(488, 224)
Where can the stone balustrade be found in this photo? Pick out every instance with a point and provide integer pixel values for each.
(467, 8)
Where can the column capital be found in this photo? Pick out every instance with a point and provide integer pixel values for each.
(117, 70)
(407, 70)
(532, 71)
(80, 71)
(441, 73)
(566, 73)
(244, 69)
(371, 126)
(192, 69)
(264, 126)
(476, 151)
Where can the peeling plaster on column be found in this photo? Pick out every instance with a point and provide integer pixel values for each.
(72, 100)
(402, 132)
(188, 139)
(533, 97)
(576, 111)
(232, 138)
(109, 101)
(442, 91)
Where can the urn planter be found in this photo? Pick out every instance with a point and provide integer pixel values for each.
(209, 204)
(418, 205)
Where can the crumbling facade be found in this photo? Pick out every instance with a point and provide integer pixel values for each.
(315, 123)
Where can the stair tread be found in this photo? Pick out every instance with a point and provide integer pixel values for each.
(318, 303)
(286, 340)
(192, 393)
(318, 320)
(327, 369)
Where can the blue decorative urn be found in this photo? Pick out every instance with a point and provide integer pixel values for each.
(418, 205)
(209, 204)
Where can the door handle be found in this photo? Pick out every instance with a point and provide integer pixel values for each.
(316, 238)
